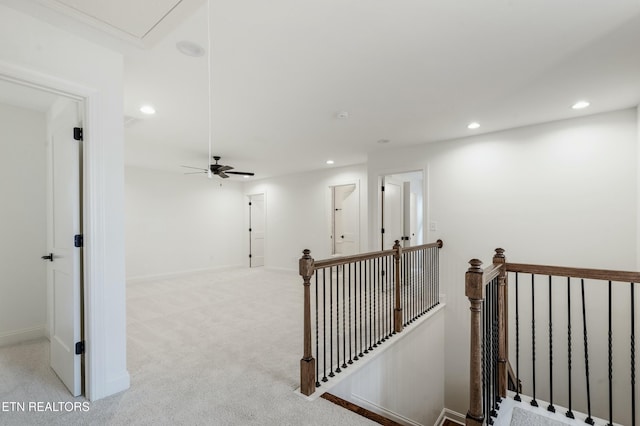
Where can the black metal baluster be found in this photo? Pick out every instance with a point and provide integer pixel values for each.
(374, 281)
(492, 349)
(344, 325)
(517, 397)
(360, 310)
(317, 336)
(533, 338)
(588, 420)
(486, 373)
(338, 369)
(550, 408)
(324, 324)
(370, 310)
(569, 413)
(495, 345)
(355, 331)
(437, 260)
(390, 291)
(331, 323)
(610, 361)
(633, 358)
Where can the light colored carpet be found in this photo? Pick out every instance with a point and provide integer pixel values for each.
(216, 348)
(522, 417)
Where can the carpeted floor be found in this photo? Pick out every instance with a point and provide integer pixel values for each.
(216, 348)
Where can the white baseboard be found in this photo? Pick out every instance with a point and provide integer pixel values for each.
(451, 415)
(24, 335)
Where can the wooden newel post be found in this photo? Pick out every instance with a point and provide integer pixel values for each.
(474, 290)
(500, 259)
(307, 363)
(397, 312)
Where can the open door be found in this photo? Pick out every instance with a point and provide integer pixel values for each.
(64, 258)
(256, 230)
(392, 212)
(345, 219)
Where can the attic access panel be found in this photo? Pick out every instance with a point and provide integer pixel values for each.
(138, 21)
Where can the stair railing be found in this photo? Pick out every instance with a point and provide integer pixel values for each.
(353, 304)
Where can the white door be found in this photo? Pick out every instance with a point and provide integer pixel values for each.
(345, 219)
(64, 222)
(406, 214)
(256, 230)
(391, 212)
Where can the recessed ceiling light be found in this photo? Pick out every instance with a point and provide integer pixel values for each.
(473, 125)
(580, 105)
(342, 115)
(147, 109)
(383, 141)
(330, 162)
(190, 48)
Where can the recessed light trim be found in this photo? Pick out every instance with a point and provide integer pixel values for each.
(190, 48)
(580, 105)
(474, 125)
(147, 109)
(330, 162)
(383, 141)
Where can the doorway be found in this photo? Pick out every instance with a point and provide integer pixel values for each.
(344, 219)
(45, 291)
(256, 230)
(401, 209)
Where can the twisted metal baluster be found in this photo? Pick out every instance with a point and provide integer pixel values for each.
(633, 358)
(355, 328)
(533, 338)
(317, 336)
(610, 361)
(517, 396)
(588, 420)
(330, 324)
(569, 413)
(550, 408)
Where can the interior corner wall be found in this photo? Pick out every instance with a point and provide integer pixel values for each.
(23, 233)
(298, 213)
(559, 193)
(33, 49)
(177, 223)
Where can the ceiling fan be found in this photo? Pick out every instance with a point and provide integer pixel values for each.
(218, 169)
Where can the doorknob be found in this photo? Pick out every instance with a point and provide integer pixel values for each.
(49, 257)
(342, 236)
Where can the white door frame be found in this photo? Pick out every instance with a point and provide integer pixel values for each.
(93, 212)
(264, 213)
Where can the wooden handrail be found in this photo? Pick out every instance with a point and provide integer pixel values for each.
(491, 272)
(561, 271)
(343, 260)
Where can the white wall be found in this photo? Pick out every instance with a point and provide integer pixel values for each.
(177, 223)
(35, 51)
(561, 193)
(298, 213)
(23, 236)
(404, 383)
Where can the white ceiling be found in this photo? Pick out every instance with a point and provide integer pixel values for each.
(410, 71)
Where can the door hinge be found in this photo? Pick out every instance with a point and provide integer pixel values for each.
(382, 230)
(249, 229)
(249, 256)
(80, 348)
(404, 238)
(382, 188)
(77, 133)
(249, 202)
(78, 240)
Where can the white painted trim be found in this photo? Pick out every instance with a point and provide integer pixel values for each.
(450, 415)
(24, 335)
(147, 278)
(329, 208)
(94, 214)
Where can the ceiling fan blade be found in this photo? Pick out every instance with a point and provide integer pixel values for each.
(224, 168)
(195, 173)
(222, 175)
(197, 168)
(242, 173)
